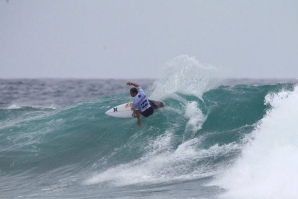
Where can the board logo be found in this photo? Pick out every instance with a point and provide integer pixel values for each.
(126, 106)
(115, 109)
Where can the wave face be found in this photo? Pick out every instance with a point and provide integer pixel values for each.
(212, 140)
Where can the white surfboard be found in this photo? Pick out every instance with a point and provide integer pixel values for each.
(121, 111)
(124, 110)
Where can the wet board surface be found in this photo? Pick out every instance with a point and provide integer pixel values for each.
(121, 111)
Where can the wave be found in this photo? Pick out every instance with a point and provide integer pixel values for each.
(217, 118)
(239, 137)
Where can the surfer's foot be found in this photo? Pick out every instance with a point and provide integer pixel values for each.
(160, 104)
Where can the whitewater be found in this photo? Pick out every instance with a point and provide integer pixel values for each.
(216, 138)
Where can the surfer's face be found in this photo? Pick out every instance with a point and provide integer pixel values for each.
(132, 94)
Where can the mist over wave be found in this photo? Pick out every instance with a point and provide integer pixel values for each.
(186, 75)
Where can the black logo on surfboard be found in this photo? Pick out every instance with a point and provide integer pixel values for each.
(115, 109)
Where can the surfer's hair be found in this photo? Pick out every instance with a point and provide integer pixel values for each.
(134, 90)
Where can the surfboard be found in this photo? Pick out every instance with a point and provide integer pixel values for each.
(124, 110)
(121, 111)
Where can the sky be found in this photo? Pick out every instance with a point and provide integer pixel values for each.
(135, 39)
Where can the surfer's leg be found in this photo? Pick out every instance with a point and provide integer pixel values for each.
(153, 104)
(160, 105)
(156, 104)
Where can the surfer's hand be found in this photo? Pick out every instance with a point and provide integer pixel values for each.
(139, 123)
(132, 84)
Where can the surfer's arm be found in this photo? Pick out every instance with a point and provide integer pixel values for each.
(133, 84)
(138, 115)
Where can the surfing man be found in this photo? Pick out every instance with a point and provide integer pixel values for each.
(141, 105)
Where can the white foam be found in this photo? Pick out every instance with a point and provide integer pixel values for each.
(195, 115)
(268, 167)
(162, 163)
(14, 106)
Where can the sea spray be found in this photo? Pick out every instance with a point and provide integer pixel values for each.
(186, 75)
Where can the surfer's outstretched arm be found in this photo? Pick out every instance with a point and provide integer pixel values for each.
(133, 84)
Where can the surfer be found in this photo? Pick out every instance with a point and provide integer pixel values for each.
(141, 104)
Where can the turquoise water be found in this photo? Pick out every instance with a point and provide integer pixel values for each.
(236, 139)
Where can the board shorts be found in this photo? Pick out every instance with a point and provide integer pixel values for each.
(149, 111)
(156, 104)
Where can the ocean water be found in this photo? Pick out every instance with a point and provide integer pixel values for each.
(223, 138)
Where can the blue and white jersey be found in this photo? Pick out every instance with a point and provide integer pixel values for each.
(140, 101)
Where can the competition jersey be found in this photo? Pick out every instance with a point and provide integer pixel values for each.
(140, 101)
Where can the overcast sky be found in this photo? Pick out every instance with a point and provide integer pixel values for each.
(135, 38)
